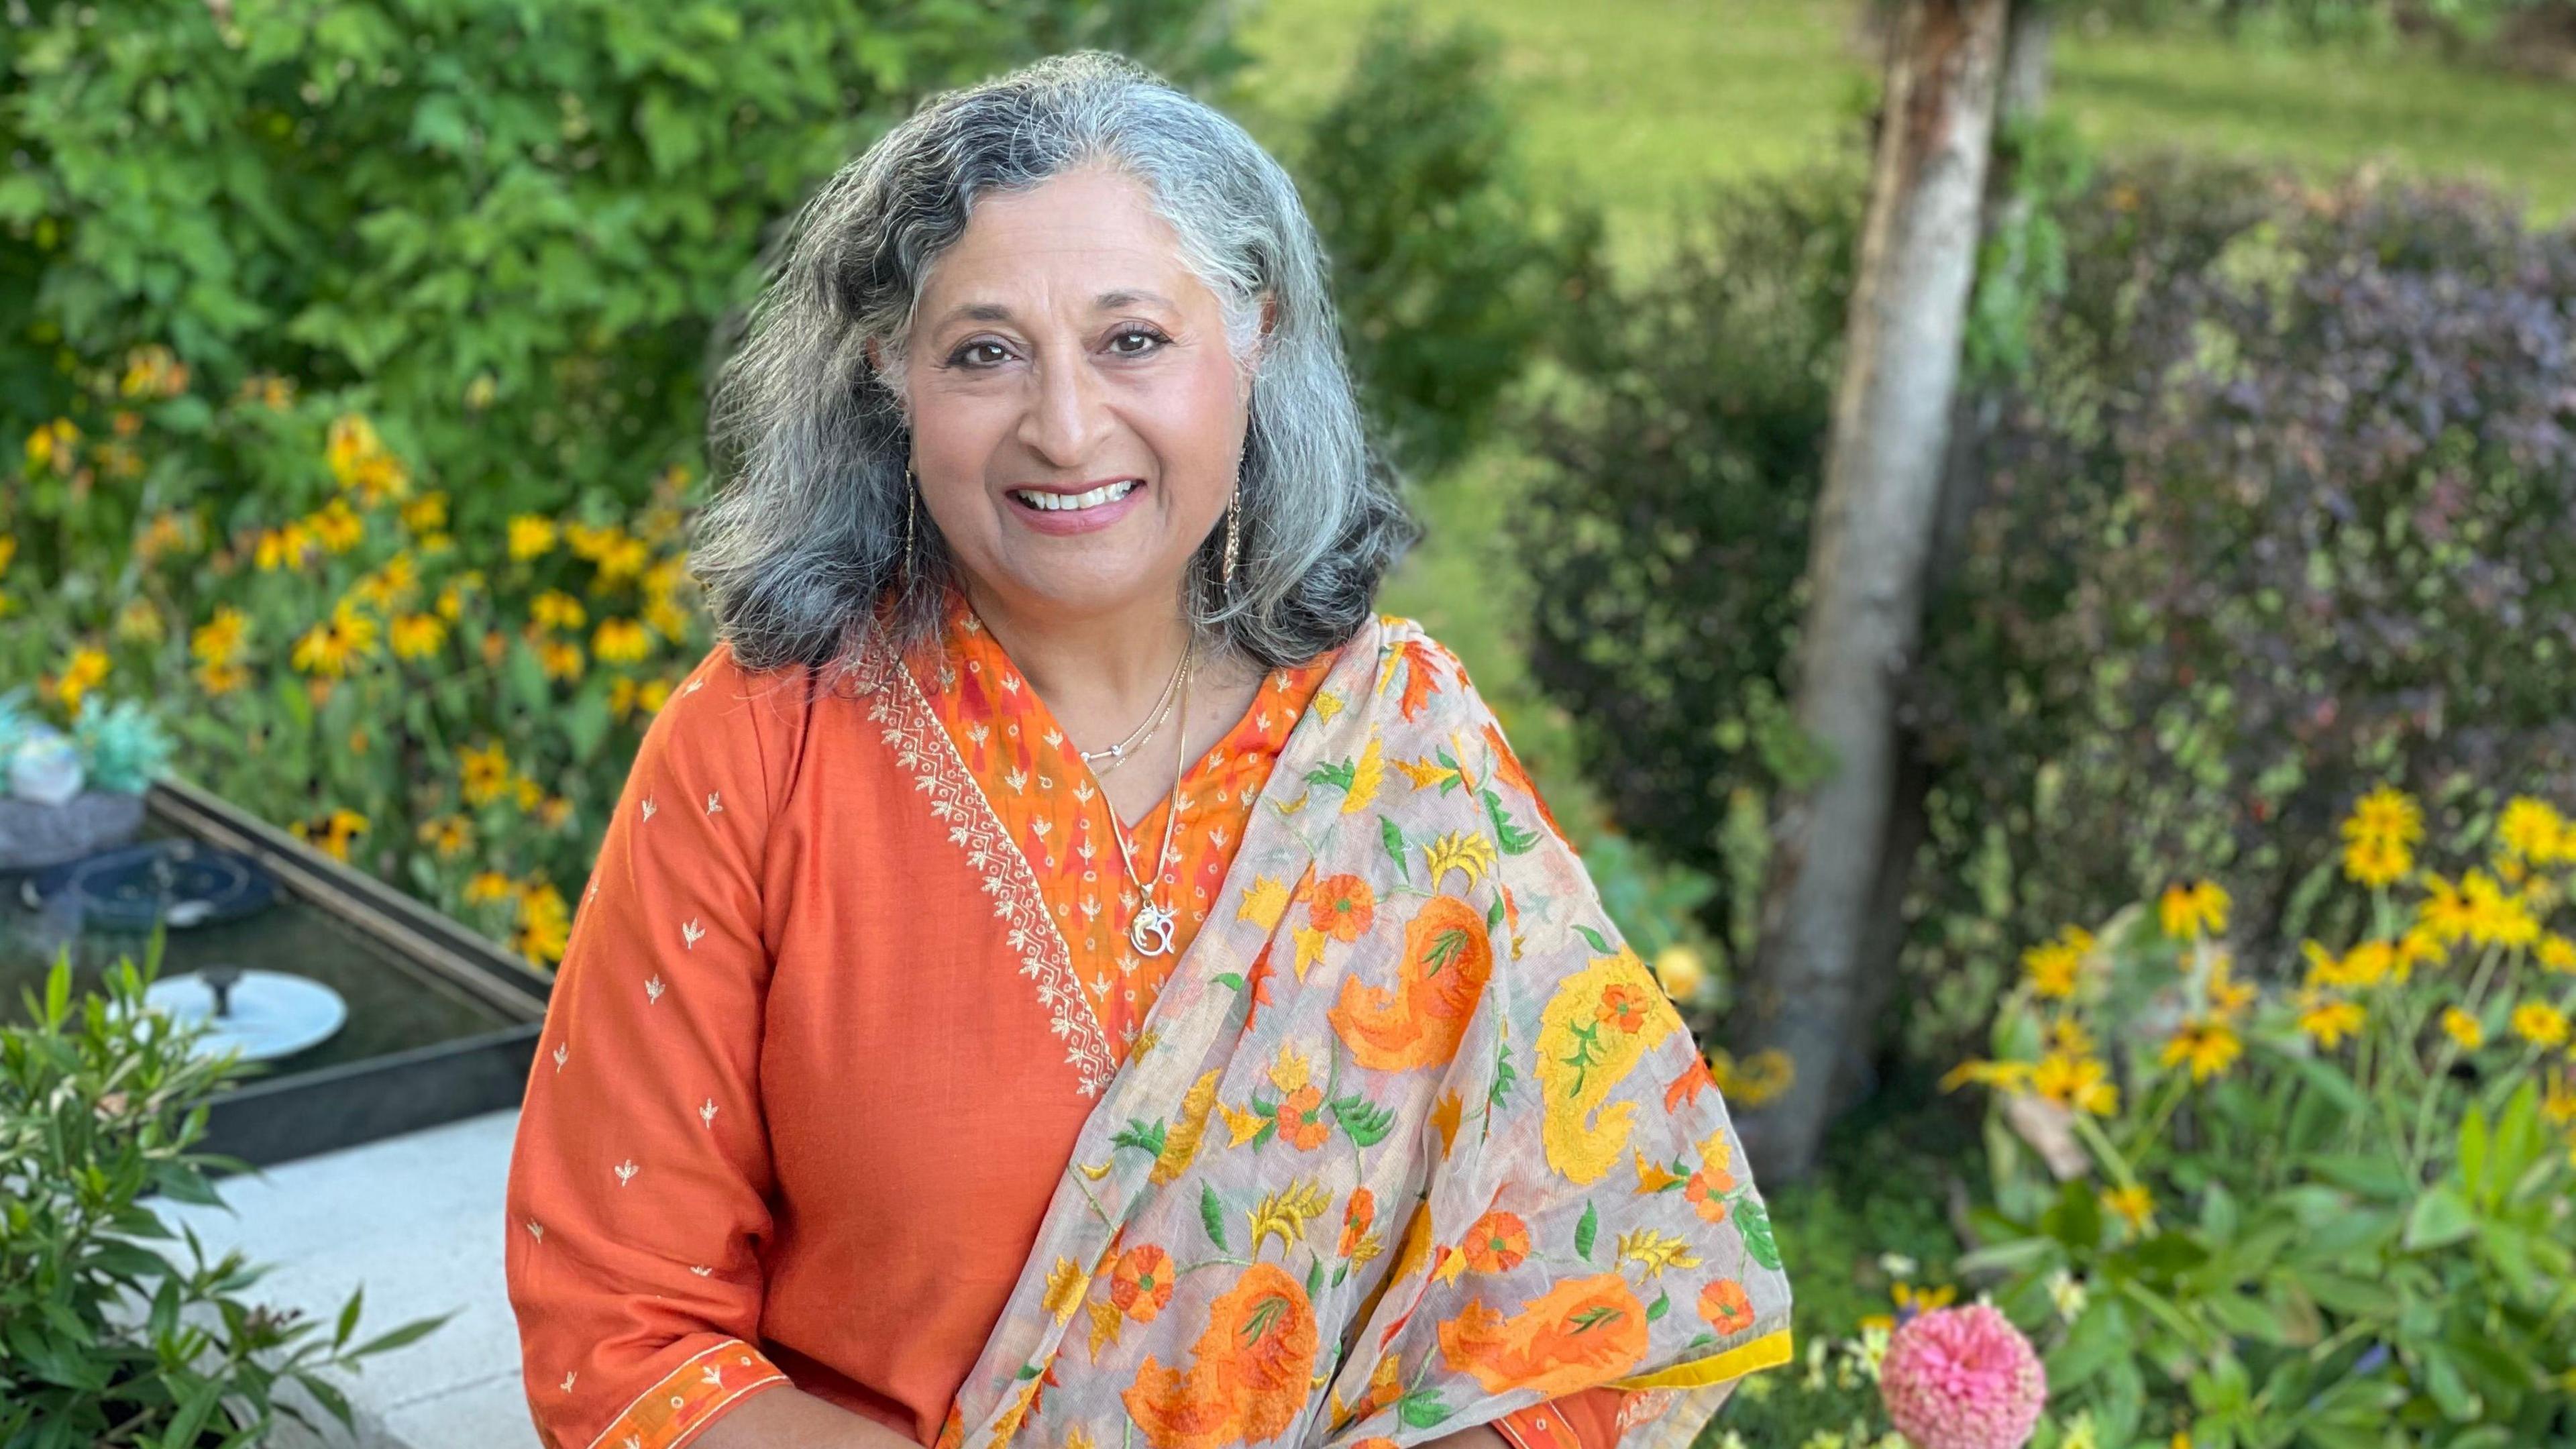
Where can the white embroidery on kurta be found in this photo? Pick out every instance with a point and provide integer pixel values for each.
(903, 715)
(591, 894)
(712, 1374)
(569, 1376)
(693, 686)
(536, 1230)
(653, 988)
(690, 932)
(563, 1050)
(707, 1113)
(1017, 779)
(626, 1171)
(714, 808)
(648, 807)
(700, 1271)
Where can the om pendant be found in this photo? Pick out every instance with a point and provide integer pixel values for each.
(1151, 931)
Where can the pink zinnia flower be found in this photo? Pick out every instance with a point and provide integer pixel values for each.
(1962, 1378)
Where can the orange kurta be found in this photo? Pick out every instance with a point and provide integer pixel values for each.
(848, 977)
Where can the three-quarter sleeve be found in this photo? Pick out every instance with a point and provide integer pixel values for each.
(638, 1193)
(1585, 1419)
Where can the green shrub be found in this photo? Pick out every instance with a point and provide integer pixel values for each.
(2340, 1213)
(1448, 272)
(2283, 503)
(103, 1338)
(1666, 538)
(2287, 509)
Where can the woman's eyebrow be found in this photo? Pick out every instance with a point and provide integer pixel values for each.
(997, 312)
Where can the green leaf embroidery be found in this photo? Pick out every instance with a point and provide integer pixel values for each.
(1366, 1122)
(1593, 936)
(1586, 1230)
(1662, 1305)
(1393, 838)
(1503, 1074)
(1338, 774)
(1027, 1371)
(1753, 1220)
(1494, 913)
(1228, 979)
(1212, 1217)
(1421, 1409)
(1513, 839)
(1141, 1136)
(1314, 1279)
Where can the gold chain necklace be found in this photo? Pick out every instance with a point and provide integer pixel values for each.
(1117, 754)
(1151, 931)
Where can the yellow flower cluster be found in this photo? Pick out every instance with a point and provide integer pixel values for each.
(2379, 837)
(153, 372)
(541, 919)
(360, 461)
(54, 448)
(217, 645)
(332, 833)
(1756, 1079)
(85, 670)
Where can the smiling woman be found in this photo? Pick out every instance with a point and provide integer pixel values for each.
(1017, 1002)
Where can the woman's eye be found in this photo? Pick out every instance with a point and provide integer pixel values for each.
(966, 354)
(1115, 343)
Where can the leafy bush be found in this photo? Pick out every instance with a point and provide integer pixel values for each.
(2340, 1213)
(1448, 272)
(1667, 539)
(107, 1340)
(2288, 507)
(450, 710)
(364, 394)
(2284, 501)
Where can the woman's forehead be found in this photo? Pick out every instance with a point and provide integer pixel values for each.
(1088, 240)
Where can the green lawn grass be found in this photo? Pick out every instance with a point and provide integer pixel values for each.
(1640, 104)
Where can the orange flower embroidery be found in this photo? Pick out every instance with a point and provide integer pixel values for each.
(1726, 1306)
(1623, 1006)
(1707, 1190)
(1495, 1243)
(1582, 1332)
(1141, 1284)
(1300, 1118)
(1357, 1219)
(1447, 958)
(1343, 907)
(1248, 1374)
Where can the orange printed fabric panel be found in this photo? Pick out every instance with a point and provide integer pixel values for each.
(672, 1412)
(1051, 803)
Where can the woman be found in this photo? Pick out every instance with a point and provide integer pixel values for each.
(1062, 969)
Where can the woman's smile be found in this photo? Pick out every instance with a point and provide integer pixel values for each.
(1069, 508)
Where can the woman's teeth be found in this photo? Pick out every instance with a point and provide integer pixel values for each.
(1075, 502)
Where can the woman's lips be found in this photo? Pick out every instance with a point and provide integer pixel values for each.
(1083, 511)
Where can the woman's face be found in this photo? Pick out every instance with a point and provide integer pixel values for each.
(1076, 418)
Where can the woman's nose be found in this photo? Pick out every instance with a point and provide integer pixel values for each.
(1067, 414)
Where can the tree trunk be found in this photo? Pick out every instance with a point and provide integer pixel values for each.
(1873, 535)
(2028, 40)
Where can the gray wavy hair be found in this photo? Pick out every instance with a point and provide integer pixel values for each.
(805, 541)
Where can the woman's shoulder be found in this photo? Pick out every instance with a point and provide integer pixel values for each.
(726, 717)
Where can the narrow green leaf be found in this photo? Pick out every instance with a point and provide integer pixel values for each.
(1421, 1409)
(1391, 836)
(1587, 1230)
(1212, 1217)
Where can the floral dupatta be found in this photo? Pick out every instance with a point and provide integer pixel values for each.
(1411, 1139)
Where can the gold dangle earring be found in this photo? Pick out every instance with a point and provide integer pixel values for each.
(1233, 536)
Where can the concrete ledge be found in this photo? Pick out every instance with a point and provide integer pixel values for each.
(417, 1222)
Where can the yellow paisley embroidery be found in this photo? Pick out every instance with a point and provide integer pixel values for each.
(1599, 1025)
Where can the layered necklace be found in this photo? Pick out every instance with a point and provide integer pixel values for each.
(1151, 931)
